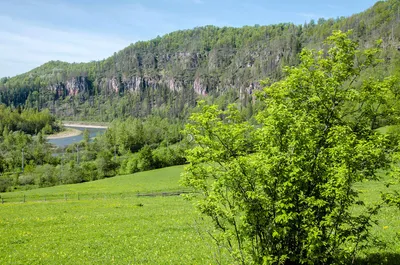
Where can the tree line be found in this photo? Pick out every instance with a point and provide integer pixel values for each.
(128, 146)
(29, 121)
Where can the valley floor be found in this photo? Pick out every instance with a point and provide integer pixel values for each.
(109, 221)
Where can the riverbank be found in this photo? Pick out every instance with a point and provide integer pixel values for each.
(82, 125)
(86, 124)
(71, 129)
(68, 132)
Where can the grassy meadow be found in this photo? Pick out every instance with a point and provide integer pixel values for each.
(384, 245)
(111, 224)
(150, 182)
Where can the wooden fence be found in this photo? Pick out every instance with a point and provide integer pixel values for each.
(9, 198)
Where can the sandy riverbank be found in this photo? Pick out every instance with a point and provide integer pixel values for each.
(84, 125)
(69, 132)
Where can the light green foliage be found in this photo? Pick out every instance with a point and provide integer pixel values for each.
(281, 192)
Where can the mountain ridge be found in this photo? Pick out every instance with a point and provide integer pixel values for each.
(187, 64)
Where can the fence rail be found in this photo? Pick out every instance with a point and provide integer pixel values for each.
(84, 196)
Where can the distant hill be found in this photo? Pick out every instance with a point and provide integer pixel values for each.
(166, 75)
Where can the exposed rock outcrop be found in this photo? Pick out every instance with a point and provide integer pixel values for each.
(198, 87)
(71, 87)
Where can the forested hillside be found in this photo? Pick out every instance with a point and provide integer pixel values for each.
(166, 75)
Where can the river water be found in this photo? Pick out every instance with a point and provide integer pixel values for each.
(62, 142)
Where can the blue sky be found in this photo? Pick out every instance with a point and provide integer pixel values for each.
(33, 32)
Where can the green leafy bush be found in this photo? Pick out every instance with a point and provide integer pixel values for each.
(5, 183)
(282, 191)
(45, 176)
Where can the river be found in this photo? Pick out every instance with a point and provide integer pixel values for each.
(62, 142)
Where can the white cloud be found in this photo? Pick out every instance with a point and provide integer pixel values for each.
(24, 45)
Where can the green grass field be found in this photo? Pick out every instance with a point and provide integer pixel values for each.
(156, 181)
(384, 246)
(110, 224)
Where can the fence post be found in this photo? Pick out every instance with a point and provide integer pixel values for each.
(24, 198)
(2, 200)
(78, 196)
(44, 198)
(65, 196)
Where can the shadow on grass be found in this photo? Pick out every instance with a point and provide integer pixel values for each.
(384, 258)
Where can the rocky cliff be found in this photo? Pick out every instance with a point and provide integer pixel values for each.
(70, 87)
(215, 70)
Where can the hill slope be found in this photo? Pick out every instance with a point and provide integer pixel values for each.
(150, 182)
(166, 75)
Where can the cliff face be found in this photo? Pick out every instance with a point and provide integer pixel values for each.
(215, 70)
(71, 87)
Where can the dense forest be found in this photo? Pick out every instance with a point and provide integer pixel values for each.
(29, 121)
(150, 88)
(128, 146)
(165, 76)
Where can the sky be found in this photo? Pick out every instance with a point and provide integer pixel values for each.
(33, 32)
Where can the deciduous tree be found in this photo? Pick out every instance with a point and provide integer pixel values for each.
(282, 191)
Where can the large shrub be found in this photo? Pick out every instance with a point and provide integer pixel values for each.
(281, 191)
